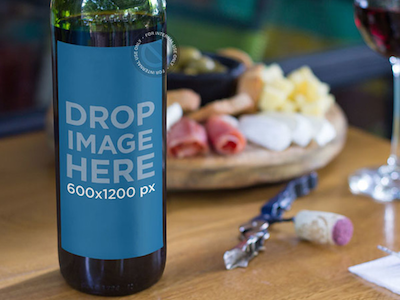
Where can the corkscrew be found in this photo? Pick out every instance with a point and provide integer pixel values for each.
(254, 233)
(330, 228)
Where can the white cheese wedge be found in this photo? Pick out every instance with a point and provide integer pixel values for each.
(323, 130)
(266, 132)
(300, 127)
(174, 114)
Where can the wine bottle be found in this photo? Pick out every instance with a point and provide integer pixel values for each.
(109, 58)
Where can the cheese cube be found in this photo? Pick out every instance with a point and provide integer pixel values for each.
(275, 94)
(300, 100)
(284, 85)
(271, 98)
(272, 73)
(288, 107)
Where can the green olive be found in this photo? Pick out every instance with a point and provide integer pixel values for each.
(174, 69)
(188, 54)
(203, 65)
(220, 68)
(190, 71)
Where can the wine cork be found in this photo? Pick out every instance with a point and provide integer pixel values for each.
(323, 227)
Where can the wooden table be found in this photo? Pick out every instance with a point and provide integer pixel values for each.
(201, 226)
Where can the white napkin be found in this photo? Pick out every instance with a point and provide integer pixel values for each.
(384, 272)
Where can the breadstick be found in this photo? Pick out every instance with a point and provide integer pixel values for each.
(238, 55)
(233, 106)
(187, 99)
(252, 83)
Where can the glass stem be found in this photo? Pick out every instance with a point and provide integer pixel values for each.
(394, 156)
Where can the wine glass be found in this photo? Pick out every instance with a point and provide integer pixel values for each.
(379, 23)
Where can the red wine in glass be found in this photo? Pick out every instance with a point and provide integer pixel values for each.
(380, 28)
(379, 23)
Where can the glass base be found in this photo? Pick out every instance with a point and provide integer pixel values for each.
(382, 184)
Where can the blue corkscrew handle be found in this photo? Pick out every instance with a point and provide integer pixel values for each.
(274, 209)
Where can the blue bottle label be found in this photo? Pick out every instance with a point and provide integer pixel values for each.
(111, 152)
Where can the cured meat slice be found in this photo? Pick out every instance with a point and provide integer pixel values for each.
(224, 135)
(187, 138)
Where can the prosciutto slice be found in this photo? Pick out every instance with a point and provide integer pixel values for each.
(224, 135)
(187, 138)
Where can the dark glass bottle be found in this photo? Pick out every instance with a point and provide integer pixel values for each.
(110, 142)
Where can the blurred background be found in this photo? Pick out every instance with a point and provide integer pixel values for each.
(321, 34)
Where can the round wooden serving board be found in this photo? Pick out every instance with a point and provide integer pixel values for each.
(255, 165)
